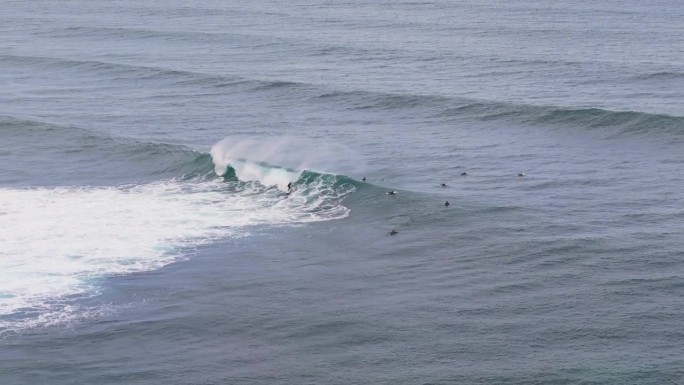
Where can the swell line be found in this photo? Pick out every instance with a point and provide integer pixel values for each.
(447, 107)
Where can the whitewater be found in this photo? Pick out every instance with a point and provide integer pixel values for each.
(60, 241)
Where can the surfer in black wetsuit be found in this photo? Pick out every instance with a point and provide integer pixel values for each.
(289, 187)
(446, 203)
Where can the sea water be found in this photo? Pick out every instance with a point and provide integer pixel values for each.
(148, 234)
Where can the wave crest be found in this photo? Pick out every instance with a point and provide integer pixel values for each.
(276, 162)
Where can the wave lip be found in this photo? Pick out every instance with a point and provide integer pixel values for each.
(285, 165)
(276, 162)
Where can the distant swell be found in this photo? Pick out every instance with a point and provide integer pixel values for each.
(453, 107)
(624, 121)
(114, 70)
(665, 75)
(122, 71)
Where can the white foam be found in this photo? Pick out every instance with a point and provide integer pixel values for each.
(267, 176)
(56, 242)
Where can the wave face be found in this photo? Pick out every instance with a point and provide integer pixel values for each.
(59, 243)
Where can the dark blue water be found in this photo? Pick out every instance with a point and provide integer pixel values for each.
(148, 234)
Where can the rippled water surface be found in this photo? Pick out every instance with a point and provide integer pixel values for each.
(148, 234)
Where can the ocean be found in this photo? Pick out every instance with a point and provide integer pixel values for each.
(148, 234)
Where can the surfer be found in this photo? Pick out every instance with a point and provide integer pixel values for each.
(446, 203)
(363, 179)
(443, 184)
(391, 192)
(289, 187)
(393, 232)
(521, 174)
(464, 173)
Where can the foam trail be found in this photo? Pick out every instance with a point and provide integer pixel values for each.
(57, 243)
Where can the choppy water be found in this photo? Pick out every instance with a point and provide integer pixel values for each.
(147, 234)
